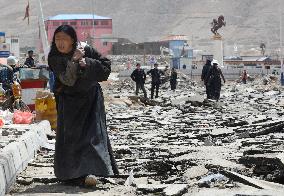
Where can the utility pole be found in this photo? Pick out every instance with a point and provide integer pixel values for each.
(281, 50)
(281, 47)
(93, 11)
(144, 55)
(43, 36)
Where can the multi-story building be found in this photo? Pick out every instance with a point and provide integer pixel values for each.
(93, 29)
(14, 43)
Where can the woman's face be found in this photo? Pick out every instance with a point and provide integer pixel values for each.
(63, 42)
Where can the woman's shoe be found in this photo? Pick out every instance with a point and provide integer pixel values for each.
(90, 180)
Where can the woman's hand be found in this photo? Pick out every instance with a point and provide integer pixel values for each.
(82, 62)
(78, 54)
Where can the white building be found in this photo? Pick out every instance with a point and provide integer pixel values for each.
(14, 43)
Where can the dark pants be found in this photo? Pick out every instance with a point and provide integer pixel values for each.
(155, 86)
(173, 84)
(214, 91)
(140, 86)
(208, 92)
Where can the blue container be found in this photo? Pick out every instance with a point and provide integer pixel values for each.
(2, 37)
(176, 46)
(176, 63)
(4, 54)
(180, 48)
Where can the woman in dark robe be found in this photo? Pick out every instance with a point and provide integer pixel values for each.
(173, 79)
(82, 149)
(213, 80)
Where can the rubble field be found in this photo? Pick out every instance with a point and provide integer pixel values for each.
(183, 144)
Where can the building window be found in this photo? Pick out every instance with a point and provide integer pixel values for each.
(73, 23)
(104, 22)
(14, 40)
(104, 43)
(84, 23)
(96, 22)
(56, 23)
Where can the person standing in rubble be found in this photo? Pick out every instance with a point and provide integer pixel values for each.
(213, 80)
(167, 74)
(173, 79)
(204, 74)
(6, 76)
(139, 77)
(13, 62)
(244, 76)
(82, 149)
(156, 80)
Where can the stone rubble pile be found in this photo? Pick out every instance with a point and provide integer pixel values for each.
(183, 144)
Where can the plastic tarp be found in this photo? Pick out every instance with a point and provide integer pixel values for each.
(29, 73)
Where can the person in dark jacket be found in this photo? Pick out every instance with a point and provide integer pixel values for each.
(156, 80)
(204, 74)
(167, 75)
(82, 149)
(13, 63)
(213, 80)
(244, 76)
(6, 76)
(30, 62)
(139, 77)
(173, 79)
(9, 72)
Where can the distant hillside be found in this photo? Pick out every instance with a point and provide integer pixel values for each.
(249, 22)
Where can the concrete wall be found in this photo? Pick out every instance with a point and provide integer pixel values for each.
(14, 157)
(229, 73)
(148, 48)
(195, 74)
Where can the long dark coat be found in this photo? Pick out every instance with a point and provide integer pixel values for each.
(173, 80)
(138, 76)
(156, 75)
(213, 82)
(82, 143)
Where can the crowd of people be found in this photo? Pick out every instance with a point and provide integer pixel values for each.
(212, 77)
(139, 77)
